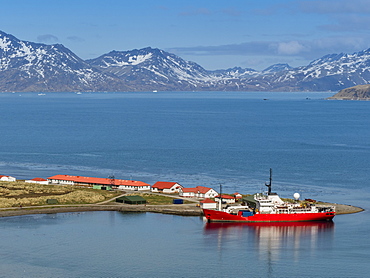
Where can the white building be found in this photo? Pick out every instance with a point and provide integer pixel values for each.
(208, 204)
(38, 180)
(166, 187)
(238, 196)
(7, 178)
(90, 182)
(134, 185)
(188, 192)
(198, 192)
(226, 198)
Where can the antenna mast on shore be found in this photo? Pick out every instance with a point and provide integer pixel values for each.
(112, 180)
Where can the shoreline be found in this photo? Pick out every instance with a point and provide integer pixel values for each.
(181, 210)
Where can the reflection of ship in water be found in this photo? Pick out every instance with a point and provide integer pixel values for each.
(263, 232)
(271, 242)
(269, 226)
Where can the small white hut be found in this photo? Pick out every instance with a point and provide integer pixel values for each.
(7, 178)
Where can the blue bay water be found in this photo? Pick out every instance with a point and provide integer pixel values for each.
(316, 147)
(113, 244)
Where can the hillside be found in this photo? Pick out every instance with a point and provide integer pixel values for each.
(359, 92)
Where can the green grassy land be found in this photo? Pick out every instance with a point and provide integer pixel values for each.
(16, 194)
(19, 193)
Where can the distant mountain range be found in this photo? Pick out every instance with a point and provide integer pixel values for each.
(34, 67)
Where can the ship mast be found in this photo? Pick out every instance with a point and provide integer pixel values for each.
(220, 199)
(270, 183)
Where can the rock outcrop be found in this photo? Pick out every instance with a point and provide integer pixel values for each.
(359, 92)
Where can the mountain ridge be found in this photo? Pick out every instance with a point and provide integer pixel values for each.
(27, 66)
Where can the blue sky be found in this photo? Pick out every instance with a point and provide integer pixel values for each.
(215, 34)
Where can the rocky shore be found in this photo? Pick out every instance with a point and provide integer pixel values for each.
(183, 210)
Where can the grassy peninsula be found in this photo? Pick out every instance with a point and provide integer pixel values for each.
(20, 198)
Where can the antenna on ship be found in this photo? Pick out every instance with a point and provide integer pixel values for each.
(220, 199)
(270, 183)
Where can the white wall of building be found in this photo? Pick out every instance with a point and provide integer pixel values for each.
(211, 193)
(208, 205)
(39, 182)
(187, 194)
(173, 189)
(62, 182)
(135, 188)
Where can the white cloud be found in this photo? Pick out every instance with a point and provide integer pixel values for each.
(261, 54)
(47, 38)
(308, 49)
(290, 48)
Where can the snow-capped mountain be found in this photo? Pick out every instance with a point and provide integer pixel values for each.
(27, 66)
(148, 69)
(331, 72)
(154, 69)
(236, 72)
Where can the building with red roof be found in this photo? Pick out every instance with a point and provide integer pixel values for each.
(38, 180)
(188, 192)
(198, 192)
(166, 187)
(238, 196)
(226, 198)
(90, 182)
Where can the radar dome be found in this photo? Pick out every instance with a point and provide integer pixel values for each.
(296, 196)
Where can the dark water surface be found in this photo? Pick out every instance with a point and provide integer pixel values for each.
(316, 147)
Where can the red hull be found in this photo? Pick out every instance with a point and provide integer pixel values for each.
(220, 216)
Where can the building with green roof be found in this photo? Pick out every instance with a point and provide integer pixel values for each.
(132, 200)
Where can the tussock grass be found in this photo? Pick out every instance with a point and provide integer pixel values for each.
(15, 194)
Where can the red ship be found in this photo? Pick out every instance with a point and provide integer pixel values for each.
(269, 208)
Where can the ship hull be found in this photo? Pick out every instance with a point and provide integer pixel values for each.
(220, 216)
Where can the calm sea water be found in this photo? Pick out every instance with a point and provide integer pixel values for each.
(316, 147)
